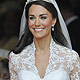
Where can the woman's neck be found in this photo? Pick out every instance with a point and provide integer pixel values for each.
(42, 43)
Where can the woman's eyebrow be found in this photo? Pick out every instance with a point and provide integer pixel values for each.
(31, 15)
(39, 15)
(43, 14)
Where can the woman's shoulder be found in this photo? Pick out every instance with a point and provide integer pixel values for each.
(13, 57)
(66, 51)
(24, 52)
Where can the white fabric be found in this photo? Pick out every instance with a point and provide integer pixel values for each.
(55, 75)
(62, 23)
(62, 62)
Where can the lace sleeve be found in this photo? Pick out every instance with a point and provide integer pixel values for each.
(13, 75)
(75, 75)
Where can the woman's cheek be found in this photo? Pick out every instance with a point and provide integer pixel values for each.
(30, 23)
(47, 24)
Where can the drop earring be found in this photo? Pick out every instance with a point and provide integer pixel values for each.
(52, 27)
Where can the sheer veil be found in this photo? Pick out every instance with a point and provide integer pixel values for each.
(61, 21)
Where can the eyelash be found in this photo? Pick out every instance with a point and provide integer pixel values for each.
(43, 17)
(31, 18)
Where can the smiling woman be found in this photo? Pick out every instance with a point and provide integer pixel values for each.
(43, 54)
(38, 22)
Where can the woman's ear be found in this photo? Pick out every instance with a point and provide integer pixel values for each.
(54, 22)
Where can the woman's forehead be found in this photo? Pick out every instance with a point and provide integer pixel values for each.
(38, 9)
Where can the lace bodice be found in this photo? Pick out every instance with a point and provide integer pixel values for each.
(63, 64)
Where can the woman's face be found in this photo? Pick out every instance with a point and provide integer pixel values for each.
(40, 21)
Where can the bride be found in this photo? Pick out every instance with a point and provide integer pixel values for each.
(44, 49)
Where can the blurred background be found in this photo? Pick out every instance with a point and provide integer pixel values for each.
(70, 10)
(10, 17)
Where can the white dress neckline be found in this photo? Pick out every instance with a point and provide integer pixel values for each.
(59, 74)
(47, 69)
(51, 43)
(59, 68)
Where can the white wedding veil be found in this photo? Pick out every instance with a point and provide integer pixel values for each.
(61, 21)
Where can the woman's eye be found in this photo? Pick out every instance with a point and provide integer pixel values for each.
(31, 18)
(43, 17)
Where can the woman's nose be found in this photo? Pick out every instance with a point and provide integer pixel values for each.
(37, 22)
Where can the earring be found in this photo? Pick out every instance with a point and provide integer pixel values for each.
(52, 27)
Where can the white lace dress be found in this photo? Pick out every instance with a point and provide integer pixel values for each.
(63, 64)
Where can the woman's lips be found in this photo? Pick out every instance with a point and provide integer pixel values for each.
(40, 29)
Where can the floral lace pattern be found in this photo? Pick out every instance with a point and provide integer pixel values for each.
(60, 58)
